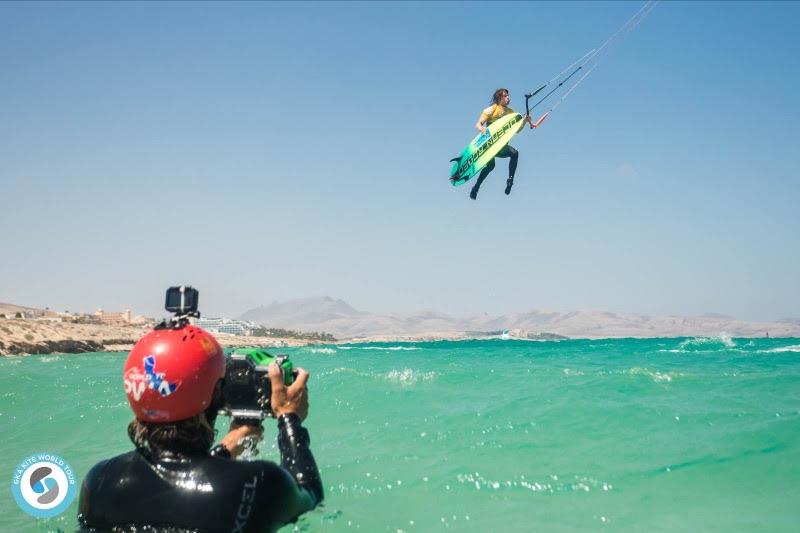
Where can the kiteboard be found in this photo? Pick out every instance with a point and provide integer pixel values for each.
(484, 147)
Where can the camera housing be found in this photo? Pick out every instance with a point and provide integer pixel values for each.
(182, 300)
(247, 390)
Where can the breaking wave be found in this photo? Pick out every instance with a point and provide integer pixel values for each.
(794, 348)
(409, 376)
(703, 344)
(658, 377)
(327, 351)
(390, 348)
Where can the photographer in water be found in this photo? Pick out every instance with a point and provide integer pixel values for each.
(174, 379)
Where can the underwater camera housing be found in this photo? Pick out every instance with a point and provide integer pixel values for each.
(247, 389)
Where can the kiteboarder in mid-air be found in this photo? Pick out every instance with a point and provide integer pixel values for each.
(498, 123)
(499, 108)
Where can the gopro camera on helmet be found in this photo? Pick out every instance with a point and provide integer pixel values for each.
(247, 389)
(182, 301)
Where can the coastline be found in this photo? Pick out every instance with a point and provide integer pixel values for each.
(29, 337)
(32, 337)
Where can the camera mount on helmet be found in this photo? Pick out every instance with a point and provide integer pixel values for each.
(181, 301)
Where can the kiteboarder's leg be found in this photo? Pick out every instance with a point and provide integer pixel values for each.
(482, 176)
(510, 151)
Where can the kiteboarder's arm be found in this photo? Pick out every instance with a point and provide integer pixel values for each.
(484, 118)
(479, 125)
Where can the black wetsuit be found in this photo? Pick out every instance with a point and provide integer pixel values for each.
(210, 493)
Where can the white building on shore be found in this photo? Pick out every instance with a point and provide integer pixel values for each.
(226, 325)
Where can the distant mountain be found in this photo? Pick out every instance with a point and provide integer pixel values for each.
(337, 317)
(301, 314)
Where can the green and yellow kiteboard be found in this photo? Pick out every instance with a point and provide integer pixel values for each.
(484, 147)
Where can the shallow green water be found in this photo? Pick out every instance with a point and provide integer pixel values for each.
(617, 435)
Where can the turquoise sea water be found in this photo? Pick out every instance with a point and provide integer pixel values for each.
(620, 435)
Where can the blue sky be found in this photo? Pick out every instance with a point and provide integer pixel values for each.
(265, 151)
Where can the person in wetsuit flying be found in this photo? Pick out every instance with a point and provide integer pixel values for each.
(499, 108)
(174, 480)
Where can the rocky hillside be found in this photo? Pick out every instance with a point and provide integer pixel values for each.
(34, 336)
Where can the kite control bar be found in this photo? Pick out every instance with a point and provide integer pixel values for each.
(543, 98)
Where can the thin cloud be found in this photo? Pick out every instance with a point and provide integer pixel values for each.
(627, 171)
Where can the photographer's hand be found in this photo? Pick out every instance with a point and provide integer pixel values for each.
(234, 441)
(293, 399)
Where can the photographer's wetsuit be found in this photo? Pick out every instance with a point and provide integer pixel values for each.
(171, 492)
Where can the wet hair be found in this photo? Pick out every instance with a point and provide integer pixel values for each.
(498, 94)
(193, 436)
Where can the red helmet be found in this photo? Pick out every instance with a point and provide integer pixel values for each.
(170, 374)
